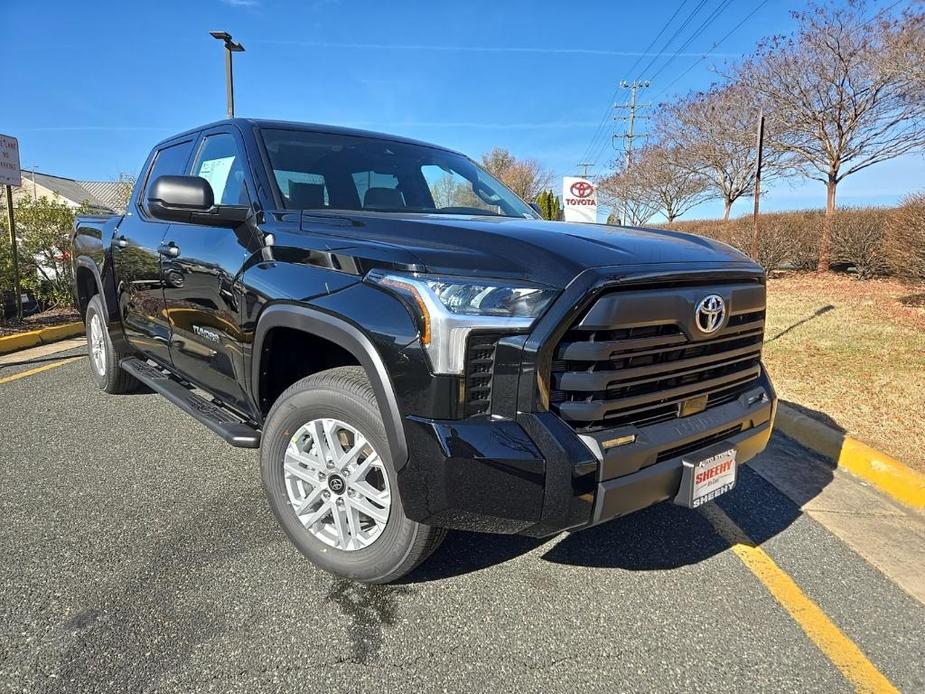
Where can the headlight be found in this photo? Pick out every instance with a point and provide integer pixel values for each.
(483, 299)
(450, 308)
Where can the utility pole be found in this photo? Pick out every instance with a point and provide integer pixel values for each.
(634, 105)
(756, 234)
(230, 47)
(585, 166)
(35, 194)
(630, 133)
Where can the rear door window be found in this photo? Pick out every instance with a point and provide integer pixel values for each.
(169, 161)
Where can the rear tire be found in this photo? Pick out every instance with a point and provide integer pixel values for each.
(104, 358)
(325, 460)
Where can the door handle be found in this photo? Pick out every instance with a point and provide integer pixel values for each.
(169, 249)
(121, 241)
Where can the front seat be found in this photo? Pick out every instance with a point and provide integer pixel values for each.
(383, 198)
(306, 196)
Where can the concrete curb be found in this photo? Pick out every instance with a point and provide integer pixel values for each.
(887, 474)
(44, 336)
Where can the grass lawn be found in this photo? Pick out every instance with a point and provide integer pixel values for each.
(855, 351)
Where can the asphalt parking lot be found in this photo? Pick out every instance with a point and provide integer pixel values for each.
(137, 553)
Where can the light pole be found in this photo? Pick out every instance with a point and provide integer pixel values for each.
(230, 47)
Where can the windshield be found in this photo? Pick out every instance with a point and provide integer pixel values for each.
(320, 171)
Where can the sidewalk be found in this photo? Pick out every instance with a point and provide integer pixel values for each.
(887, 534)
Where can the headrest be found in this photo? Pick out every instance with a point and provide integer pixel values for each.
(306, 196)
(388, 198)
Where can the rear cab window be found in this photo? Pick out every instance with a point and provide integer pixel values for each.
(168, 161)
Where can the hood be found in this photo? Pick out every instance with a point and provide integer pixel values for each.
(551, 253)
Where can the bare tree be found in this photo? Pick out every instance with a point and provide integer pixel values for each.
(628, 191)
(454, 191)
(662, 172)
(713, 134)
(838, 109)
(526, 177)
(125, 184)
(905, 58)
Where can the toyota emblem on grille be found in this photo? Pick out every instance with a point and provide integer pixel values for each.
(710, 313)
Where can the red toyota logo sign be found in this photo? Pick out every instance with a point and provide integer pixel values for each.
(582, 189)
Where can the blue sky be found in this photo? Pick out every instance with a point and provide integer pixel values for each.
(96, 84)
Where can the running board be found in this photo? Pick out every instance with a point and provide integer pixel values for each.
(213, 416)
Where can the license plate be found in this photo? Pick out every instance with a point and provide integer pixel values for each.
(707, 476)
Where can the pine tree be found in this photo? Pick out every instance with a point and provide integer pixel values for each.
(549, 205)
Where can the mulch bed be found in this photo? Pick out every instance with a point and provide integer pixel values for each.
(45, 319)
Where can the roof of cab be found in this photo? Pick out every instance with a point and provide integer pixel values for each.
(295, 125)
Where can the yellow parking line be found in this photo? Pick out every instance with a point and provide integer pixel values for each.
(38, 369)
(837, 647)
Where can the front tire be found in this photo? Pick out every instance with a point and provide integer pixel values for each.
(104, 359)
(328, 473)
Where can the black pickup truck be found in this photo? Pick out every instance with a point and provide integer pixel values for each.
(413, 349)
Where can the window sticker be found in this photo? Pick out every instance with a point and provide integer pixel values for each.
(216, 171)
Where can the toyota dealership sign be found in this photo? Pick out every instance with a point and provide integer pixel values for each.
(579, 198)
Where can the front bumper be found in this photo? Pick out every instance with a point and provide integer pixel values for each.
(534, 475)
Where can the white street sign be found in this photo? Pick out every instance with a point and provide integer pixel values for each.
(10, 174)
(579, 198)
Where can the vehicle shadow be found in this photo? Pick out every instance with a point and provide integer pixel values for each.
(660, 538)
(821, 311)
(818, 415)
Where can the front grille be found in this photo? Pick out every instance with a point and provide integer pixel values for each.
(480, 364)
(641, 374)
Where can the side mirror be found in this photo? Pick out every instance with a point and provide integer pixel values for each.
(174, 198)
(536, 208)
(190, 199)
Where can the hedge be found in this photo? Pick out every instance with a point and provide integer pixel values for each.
(873, 240)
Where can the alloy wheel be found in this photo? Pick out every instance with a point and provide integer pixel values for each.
(97, 345)
(337, 484)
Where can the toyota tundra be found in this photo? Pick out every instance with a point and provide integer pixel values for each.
(413, 349)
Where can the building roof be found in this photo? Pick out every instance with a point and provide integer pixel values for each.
(110, 193)
(96, 194)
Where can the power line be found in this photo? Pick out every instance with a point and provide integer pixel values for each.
(602, 125)
(734, 29)
(712, 48)
(601, 130)
(671, 38)
(697, 32)
(602, 144)
(679, 31)
(657, 37)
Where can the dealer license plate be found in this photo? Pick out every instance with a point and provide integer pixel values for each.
(707, 476)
